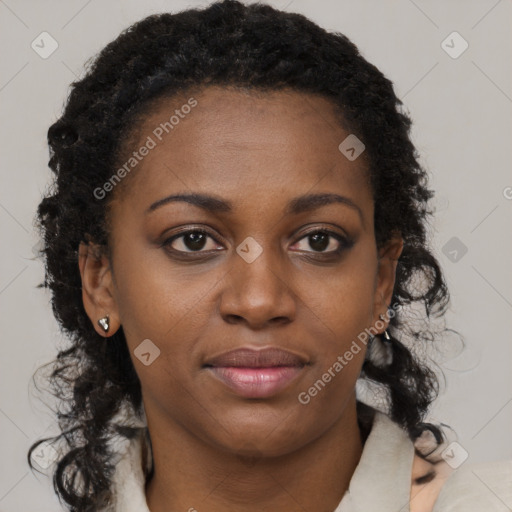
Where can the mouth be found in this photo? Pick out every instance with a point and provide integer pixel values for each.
(256, 373)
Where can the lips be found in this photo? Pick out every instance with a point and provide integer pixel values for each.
(257, 358)
(256, 373)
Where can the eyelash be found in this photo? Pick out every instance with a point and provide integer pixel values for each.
(344, 243)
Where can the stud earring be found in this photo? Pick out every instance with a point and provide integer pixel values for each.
(386, 335)
(104, 323)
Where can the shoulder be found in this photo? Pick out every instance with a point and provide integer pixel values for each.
(484, 487)
(441, 483)
(478, 487)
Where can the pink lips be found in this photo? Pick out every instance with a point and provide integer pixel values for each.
(258, 373)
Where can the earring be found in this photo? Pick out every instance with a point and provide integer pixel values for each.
(104, 323)
(386, 335)
(380, 350)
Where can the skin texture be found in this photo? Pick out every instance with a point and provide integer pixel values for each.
(427, 480)
(214, 450)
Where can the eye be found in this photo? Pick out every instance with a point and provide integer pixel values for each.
(322, 239)
(189, 241)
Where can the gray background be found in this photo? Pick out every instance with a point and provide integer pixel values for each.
(462, 113)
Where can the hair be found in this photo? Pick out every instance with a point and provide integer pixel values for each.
(253, 47)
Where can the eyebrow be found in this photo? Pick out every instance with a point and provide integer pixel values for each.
(304, 203)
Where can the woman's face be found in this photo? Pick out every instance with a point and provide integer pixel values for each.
(258, 278)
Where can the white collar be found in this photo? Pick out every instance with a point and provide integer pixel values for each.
(382, 478)
(385, 465)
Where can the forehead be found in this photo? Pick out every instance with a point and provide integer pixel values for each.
(242, 144)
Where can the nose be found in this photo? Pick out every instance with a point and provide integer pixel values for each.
(259, 293)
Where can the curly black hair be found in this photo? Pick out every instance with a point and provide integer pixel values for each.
(229, 44)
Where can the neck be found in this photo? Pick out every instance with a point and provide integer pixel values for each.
(190, 474)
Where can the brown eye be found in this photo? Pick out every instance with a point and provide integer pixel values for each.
(189, 241)
(320, 240)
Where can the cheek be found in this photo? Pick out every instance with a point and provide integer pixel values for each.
(163, 311)
(341, 303)
(340, 311)
(156, 299)
(340, 352)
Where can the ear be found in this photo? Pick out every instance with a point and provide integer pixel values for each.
(98, 287)
(386, 273)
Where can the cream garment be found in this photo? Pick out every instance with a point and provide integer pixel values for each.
(381, 481)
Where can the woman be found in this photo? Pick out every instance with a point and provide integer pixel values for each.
(234, 242)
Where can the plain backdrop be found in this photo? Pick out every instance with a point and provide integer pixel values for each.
(460, 104)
